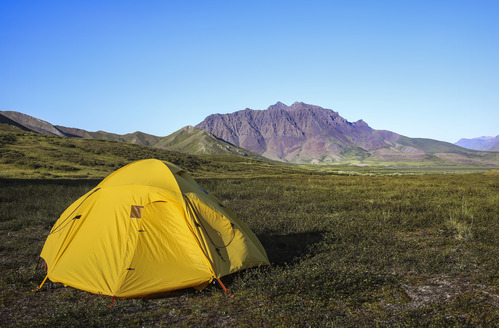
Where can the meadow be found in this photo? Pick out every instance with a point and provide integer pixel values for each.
(361, 250)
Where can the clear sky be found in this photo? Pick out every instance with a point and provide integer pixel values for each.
(419, 68)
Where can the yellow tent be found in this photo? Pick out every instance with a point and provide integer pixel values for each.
(148, 228)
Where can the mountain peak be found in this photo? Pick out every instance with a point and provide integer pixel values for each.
(487, 143)
(29, 123)
(297, 133)
(360, 123)
(278, 105)
(297, 105)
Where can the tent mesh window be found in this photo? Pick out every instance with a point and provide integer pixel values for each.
(136, 212)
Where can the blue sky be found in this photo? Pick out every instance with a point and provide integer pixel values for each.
(419, 68)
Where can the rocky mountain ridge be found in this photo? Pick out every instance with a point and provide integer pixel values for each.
(300, 133)
(480, 143)
(189, 139)
(304, 133)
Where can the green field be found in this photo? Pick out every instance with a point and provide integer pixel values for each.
(350, 246)
(345, 251)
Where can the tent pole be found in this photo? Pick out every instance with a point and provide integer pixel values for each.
(38, 263)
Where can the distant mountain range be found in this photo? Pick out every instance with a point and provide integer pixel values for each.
(188, 139)
(480, 143)
(300, 133)
(303, 133)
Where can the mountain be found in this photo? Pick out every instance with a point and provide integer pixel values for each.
(29, 123)
(300, 133)
(304, 133)
(480, 143)
(27, 155)
(189, 140)
(192, 140)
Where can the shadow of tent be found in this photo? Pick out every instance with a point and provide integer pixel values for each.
(280, 249)
(286, 248)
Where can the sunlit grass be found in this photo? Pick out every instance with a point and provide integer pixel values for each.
(345, 250)
(350, 246)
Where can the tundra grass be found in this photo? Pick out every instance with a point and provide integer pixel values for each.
(34, 156)
(348, 251)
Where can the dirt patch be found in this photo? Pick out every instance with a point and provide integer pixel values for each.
(421, 292)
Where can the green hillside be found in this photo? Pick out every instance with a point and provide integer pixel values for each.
(431, 146)
(139, 138)
(395, 150)
(32, 155)
(195, 141)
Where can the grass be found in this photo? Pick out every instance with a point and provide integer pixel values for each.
(350, 246)
(28, 155)
(345, 251)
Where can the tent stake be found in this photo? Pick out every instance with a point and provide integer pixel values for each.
(40, 287)
(229, 294)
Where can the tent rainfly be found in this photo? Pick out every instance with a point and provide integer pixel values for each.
(145, 229)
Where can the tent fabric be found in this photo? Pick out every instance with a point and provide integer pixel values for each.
(148, 228)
